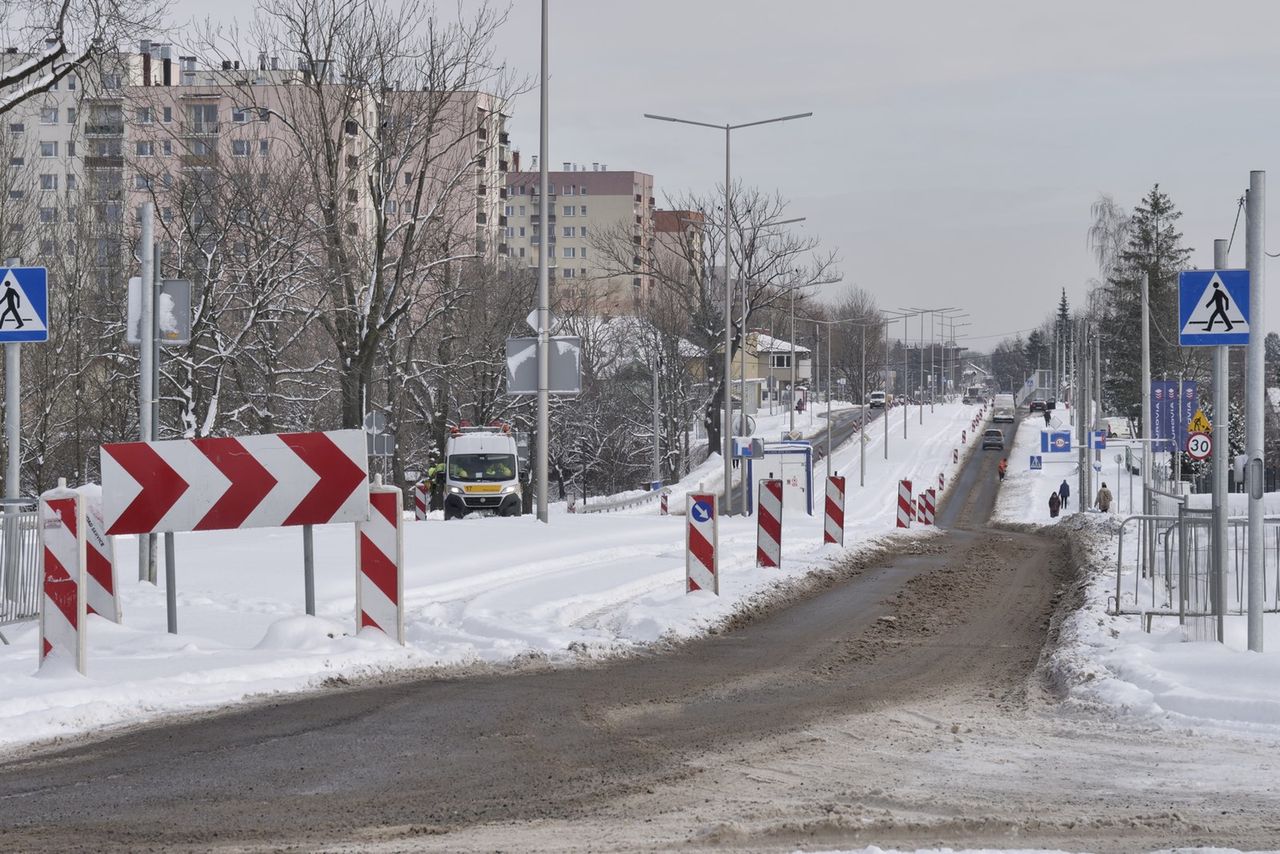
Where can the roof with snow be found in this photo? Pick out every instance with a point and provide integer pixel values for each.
(764, 343)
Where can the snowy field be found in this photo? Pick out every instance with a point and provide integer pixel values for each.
(1111, 663)
(478, 592)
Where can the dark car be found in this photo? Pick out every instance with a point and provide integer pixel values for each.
(1036, 406)
(992, 439)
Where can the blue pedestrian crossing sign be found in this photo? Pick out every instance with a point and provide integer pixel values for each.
(24, 305)
(1213, 308)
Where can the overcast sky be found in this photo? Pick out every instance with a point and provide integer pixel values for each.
(955, 147)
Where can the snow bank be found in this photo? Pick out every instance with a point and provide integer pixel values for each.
(478, 592)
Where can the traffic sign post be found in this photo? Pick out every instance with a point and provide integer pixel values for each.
(1213, 308)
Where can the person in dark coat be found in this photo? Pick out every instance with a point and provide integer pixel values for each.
(1055, 504)
(1064, 493)
(1046, 418)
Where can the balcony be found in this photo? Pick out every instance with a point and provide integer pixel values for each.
(103, 161)
(482, 133)
(639, 198)
(503, 138)
(481, 189)
(202, 128)
(503, 166)
(104, 129)
(502, 249)
(481, 218)
(502, 192)
(502, 220)
(536, 219)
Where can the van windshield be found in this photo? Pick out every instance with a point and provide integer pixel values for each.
(482, 467)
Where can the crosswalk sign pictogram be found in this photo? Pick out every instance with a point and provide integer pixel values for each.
(24, 305)
(1213, 308)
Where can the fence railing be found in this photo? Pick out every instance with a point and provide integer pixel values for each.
(1167, 569)
(19, 566)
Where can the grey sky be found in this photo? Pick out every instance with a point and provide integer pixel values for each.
(956, 146)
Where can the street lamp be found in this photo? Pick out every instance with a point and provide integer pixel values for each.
(728, 277)
(922, 312)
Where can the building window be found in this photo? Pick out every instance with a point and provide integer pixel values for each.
(522, 210)
(48, 215)
(144, 148)
(521, 251)
(509, 210)
(111, 80)
(582, 191)
(522, 231)
(16, 194)
(144, 116)
(166, 147)
(569, 252)
(240, 147)
(352, 196)
(166, 114)
(48, 115)
(568, 189)
(582, 253)
(781, 360)
(48, 149)
(583, 210)
(17, 127)
(391, 206)
(239, 114)
(71, 184)
(264, 145)
(47, 246)
(201, 147)
(16, 161)
(264, 115)
(71, 81)
(48, 181)
(408, 179)
(203, 117)
(350, 127)
(583, 231)
(166, 214)
(71, 115)
(568, 210)
(567, 273)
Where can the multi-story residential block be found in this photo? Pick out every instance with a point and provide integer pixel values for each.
(149, 126)
(601, 230)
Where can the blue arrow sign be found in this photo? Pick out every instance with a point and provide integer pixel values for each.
(1213, 308)
(24, 305)
(700, 511)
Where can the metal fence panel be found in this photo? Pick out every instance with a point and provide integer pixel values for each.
(19, 566)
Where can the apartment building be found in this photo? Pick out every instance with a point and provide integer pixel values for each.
(601, 230)
(149, 126)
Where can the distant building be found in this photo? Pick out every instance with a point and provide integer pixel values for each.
(584, 206)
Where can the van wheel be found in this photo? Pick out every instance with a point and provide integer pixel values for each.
(450, 513)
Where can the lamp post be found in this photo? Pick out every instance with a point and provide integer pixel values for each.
(728, 277)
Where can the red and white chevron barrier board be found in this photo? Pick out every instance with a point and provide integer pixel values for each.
(420, 500)
(942, 481)
(380, 565)
(769, 524)
(955, 455)
(833, 525)
(62, 602)
(702, 544)
(963, 437)
(931, 498)
(921, 516)
(906, 504)
(100, 555)
(662, 504)
(235, 482)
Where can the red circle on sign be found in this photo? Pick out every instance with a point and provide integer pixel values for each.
(1199, 446)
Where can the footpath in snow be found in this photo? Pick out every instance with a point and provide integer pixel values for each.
(1111, 663)
(478, 592)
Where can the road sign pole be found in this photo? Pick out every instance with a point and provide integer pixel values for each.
(544, 293)
(1255, 253)
(1147, 504)
(13, 462)
(309, 569)
(146, 331)
(1221, 402)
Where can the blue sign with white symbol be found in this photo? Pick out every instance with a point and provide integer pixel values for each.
(701, 511)
(24, 305)
(1037, 462)
(1213, 308)
(1055, 442)
(1098, 440)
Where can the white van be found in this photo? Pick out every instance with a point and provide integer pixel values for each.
(1004, 409)
(482, 472)
(876, 400)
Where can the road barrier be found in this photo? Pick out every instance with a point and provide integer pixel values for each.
(942, 481)
(380, 564)
(963, 438)
(100, 569)
(769, 524)
(930, 507)
(702, 541)
(906, 506)
(21, 566)
(62, 607)
(421, 500)
(833, 527)
(955, 456)
(663, 509)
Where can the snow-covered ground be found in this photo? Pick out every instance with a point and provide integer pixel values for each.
(1110, 662)
(477, 591)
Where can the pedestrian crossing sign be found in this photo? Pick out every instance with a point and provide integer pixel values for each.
(1213, 308)
(24, 305)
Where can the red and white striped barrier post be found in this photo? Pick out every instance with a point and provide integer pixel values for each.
(942, 481)
(420, 500)
(963, 437)
(62, 549)
(955, 455)
(931, 501)
(906, 505)
(380, 564)
(922, 514)
(663, 509)
(769, 524)
(701, 544)
(833, 528)
(100, 559)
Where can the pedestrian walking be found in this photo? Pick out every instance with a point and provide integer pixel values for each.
(1055, 504)
(1064, 493)
(1000, 469)
(1046, 418)
(1103, 501)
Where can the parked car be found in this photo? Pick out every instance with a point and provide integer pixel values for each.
(1036, 405)
(993, 439)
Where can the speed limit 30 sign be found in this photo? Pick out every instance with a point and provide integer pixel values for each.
(1199, 446)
